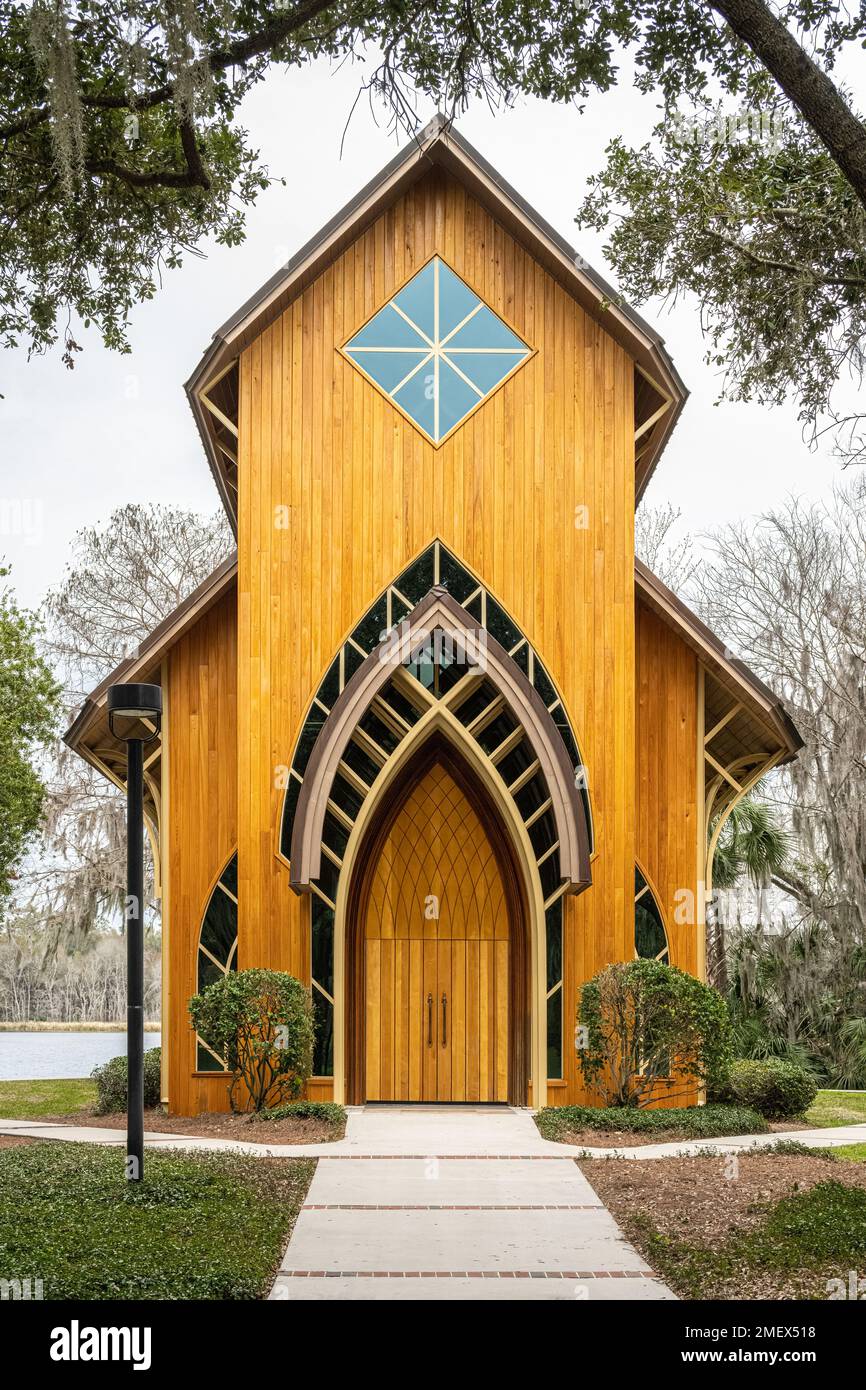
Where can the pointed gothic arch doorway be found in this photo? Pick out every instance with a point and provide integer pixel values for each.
(437, 953)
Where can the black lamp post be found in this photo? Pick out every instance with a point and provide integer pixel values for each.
(134, 716)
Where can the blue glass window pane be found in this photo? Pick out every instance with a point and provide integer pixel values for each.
(388, 329)
(388, 368)
(485, 330)
(416, 398)
(394, 349)
(417, 299)
(486, 369)
(456, 300)
(456, 398)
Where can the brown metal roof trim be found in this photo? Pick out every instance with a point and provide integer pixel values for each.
(441, 145)
(716, 656)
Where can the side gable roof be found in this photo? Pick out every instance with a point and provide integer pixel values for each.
(440, 145)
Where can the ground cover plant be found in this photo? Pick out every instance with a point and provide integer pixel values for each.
(200, 1226)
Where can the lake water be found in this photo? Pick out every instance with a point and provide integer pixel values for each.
(38, 1056)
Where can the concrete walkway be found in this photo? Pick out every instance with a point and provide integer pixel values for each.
(442, 1203)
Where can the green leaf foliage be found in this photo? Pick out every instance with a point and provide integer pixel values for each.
(261, 1022)
(643, 1025)
(111, 1082)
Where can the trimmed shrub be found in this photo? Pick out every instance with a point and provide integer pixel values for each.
(778, 1089)
(111, 1081)
(261, 1022)
(692, 1122)
(642, 1024)
(328, 1111)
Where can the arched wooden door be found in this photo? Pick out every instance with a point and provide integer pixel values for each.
(436, 933)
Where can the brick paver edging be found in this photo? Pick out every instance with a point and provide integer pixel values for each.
(455, 1206)
(466, 1274)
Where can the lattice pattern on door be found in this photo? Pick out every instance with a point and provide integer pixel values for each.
(437, 941)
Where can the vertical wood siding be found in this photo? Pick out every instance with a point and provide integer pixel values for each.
(202, 720)
(338, 491)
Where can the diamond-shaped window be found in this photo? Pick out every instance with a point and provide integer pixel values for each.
(436, 350)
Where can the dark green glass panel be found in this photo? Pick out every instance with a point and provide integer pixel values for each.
(290, 806)
(220, 926)
(560, 719)
(452, 575)
(352, 659)
(417, 580)
(207, 971)
(649, 934)
(543, 833)
(639, 881)
(550, 875)
(399, 703)
(475, 703)
(330, 687)
(334, 835)
(379, 732)
(329, 877)
(399, 610)
(497, 731)
(516, 761)
(361, 762)
(346, 797)
(554, 1036)
(553, 927)
(473, 607)
(521, 658)
(500, 626)
(543, 684)
(449, 673)
(368, 633)
(323, 1028)
(205, 1061)
(229, 876)
(310, 732)
(530, 797)
(322, 944)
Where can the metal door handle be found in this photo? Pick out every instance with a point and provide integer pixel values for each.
(429, 1020)
(444, 1019)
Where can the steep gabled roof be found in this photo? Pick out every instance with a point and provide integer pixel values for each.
(212, 393)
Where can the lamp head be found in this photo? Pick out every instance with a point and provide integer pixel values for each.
(134, 704)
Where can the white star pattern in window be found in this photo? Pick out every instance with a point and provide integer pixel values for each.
(436, 350)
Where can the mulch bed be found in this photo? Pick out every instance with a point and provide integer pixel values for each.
(14, 1141)
(705, 1200)
(627, 1139)
(292, 1130)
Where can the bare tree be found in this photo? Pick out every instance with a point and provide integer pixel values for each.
(674, 561)
(789, 595)
(123, 579)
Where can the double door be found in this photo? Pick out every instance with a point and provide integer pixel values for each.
(436, 954)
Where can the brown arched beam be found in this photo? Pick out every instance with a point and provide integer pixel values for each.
(433, 750)
(524, 702)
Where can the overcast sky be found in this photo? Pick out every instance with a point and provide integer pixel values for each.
(117, 428)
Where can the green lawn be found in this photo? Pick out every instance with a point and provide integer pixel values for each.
(855, 1152)
(30, 1100)
(200, 1226)
(833, 1108)
(801, 1239)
